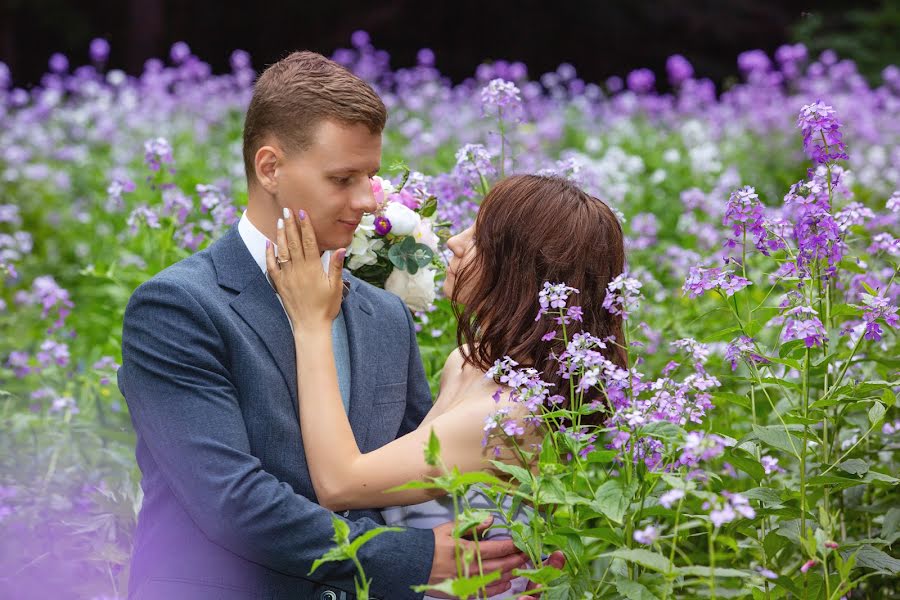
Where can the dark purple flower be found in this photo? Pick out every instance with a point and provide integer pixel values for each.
(382, 225)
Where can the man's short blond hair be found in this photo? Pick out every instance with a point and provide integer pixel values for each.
(298, 92)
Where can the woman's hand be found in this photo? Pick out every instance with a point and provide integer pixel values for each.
(311, 297)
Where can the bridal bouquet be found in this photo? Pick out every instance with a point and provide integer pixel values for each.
(396, 247)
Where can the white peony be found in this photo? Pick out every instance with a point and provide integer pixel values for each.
(361, 250)
(416, 290)
(424, 234)
(403, 220)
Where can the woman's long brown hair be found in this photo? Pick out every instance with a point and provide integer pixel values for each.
(531, 229)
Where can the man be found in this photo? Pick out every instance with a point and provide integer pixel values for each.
(209, 375)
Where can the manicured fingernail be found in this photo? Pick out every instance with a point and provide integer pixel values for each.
(287, 213)
(301, 213)
(268, 244)
(280, 223)
(341, 253)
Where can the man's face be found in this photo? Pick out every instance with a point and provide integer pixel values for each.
(330, 180)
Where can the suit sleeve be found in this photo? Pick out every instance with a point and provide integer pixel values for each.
(418, 392)
(185, 408)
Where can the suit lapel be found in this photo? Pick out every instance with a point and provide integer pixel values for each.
(257, 304)
(359, 318)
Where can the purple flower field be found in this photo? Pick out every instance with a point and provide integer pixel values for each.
(749, 449)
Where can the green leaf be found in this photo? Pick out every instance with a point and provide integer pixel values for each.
(433, 450)
(855, 466)
(612, 499)
(341, 529)
(777, 437)
(542, 576)
(786, 349)
(741, 400)
(876, 413)
(362, 538)
(662, 430)
(468, 521)
(463, 587)
(428, 207)
(871, 557)
(765, 495)
(640, 556)
(701, 571)
(634, 590)
(518, 473)
(746, 463)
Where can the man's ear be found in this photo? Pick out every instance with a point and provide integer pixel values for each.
(267, 161)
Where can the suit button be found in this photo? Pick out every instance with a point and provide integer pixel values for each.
(328, 595)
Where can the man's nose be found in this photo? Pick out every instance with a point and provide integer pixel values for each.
(363, 199)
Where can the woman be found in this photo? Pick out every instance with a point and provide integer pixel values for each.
(530, 229)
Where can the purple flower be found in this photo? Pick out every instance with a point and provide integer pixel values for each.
(180, 52)
(99, 50)
(808, 565)
(678, 69)
(9, 213)
(893, 203)
(18, 361)
(821, 133)
(553, 298)
(701, 279)
(767, 573)
(62, 404)
(382, 225)
(727, 507)
(116, 188)
(623, 295)
(503, 96)
(59, 63)
(188, 239)
(874, 308)
(770, 465)
(52, 352)
(802, 323)
(142, 214)
(668, 499)
(646, 536)
(754, 61)
(700, 447)
(157, 151)
(744, 211)
(211, 196)
(473, 161)
(641, 81)
(743, 348)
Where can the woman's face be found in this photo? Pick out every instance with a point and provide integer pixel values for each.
(462, 245)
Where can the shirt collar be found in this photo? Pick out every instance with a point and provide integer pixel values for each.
(256, 243)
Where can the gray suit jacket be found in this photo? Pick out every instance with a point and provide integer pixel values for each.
(208, 372)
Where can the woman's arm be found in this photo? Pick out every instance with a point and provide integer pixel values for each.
(345, 478)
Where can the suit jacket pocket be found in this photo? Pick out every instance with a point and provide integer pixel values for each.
(387, 393)
(388, 407)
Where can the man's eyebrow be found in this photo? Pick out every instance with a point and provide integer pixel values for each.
(350, 170)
